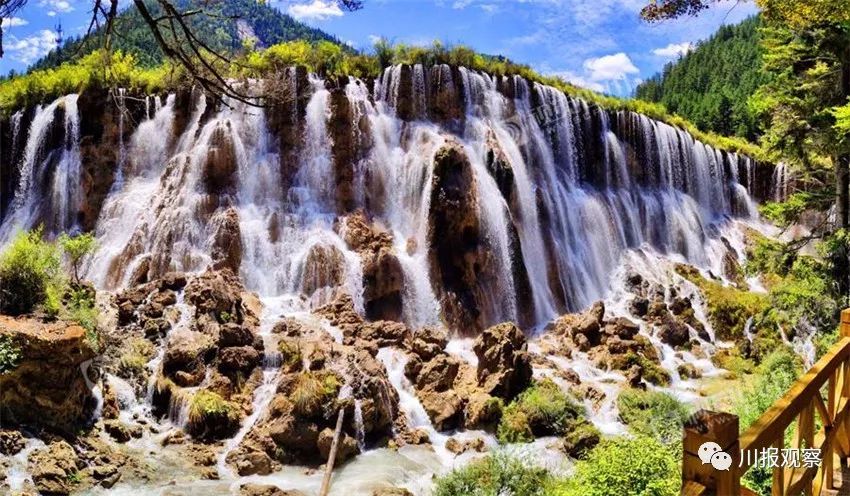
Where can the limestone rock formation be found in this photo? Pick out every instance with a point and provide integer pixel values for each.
(46, 384)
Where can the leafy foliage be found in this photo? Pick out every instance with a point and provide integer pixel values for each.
(494, 475)
(10, 354)
(639, 466)
(76, 248)
(653, 414)
(30, 274)
(541, 410)
(775, 375)
(711, 85)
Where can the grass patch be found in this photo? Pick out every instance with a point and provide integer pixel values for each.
(312, 391)
(211, 416)
(132, 363)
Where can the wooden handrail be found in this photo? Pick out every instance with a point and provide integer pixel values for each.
(803, 402)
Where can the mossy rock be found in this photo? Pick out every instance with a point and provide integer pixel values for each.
(729, 308)
(312, 392)
(581, 439)
(541, 410)
(211, 416)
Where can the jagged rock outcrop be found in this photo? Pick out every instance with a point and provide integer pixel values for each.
(45, 383)
(504, 365)
(383, 276)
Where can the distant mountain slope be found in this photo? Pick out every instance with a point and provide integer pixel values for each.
(223, 26)
(710, 86)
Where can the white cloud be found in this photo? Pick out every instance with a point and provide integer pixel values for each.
(614, 67)
(10, 22)
(373, 38)
(674, 50)
(31, 48)
(578, 80)
(52, 13)
(460, 4)
(318, 10)
(55, 6)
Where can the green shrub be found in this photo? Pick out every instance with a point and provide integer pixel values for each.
(639, 466)
(76, 248)
(653, 414)
(10, 354)
(776, 374)
(494, 475)
(211, 416)
(30, 275)
(541, 410)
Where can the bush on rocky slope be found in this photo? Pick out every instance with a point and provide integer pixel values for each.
(544, 410)
(30, 275)
(494, 475)
(639, 466)
(653, 414)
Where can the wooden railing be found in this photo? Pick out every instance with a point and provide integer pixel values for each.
(824, 391)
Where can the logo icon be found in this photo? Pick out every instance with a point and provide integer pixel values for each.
(712, 453)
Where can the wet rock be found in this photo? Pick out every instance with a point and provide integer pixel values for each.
(383, 276)
(266, 490)
(346, 448)
(232, 334)
(622, 327)
(11, 442)
(47, 386)
(118, 430)
(227, 240)
(219, 293)
(458, 447)
(238, 359)
(252, 463)
(461, 262)
(444, 408)
(220, 165)
(324, 267)
(482, 411)
(580, 440)
(53, 467)
(673, 332)
(187, 351)
(688, 371)
(392, 491)
(504, 365)
(438, 374)
(639, 306)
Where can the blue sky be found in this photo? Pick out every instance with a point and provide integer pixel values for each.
(599, 44)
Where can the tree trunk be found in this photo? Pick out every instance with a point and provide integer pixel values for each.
(842, 161)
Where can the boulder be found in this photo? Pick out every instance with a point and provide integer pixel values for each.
(46, 386)
(53, 467)
(266, 490)
(324, 267)
(346, 448)
(238, 359)
(504, 365)
(187, 351)
(11, 442)
(438, 374)
(444, 408)
(227, 240)
(482, 411)
(673, 332)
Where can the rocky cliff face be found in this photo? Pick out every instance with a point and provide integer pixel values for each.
(47, 384)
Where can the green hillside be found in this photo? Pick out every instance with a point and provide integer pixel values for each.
(711, 85)
(224, 26)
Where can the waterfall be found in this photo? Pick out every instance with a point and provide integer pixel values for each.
(563, 189)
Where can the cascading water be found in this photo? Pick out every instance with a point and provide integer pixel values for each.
(589, 191)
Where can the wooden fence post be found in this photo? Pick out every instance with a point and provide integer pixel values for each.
(721, 428)
(845, 323)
